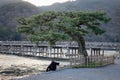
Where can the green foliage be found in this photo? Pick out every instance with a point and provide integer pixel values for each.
(54, 26)
(9, 11)
(7, 34)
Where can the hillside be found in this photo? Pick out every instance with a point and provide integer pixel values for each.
(3, 2)
(9, 11)
(112, 7)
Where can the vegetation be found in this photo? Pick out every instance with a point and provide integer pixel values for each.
(112, 29)
(7, 34)
(56, 26)
(11, 9)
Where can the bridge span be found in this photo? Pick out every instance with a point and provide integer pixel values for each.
(59, 50)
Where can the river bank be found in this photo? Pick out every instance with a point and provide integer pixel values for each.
(110, 72)
(27, 66)
(20, 67)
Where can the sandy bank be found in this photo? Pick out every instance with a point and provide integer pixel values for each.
(8, 62)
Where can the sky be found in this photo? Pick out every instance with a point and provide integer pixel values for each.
(45, 2)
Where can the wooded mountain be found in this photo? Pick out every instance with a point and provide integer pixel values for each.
(11, 9)
(111, 7)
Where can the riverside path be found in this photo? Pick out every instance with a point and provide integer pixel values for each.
(110, 72)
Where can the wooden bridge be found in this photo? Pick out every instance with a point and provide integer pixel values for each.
(59, 50)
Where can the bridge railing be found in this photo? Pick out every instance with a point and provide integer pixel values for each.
(107, 45)
(66, 50)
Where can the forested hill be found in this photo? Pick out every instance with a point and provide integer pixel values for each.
(3, 2)
(112, 7)
(9, 11)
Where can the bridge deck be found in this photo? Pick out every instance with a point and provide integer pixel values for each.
(59, 50)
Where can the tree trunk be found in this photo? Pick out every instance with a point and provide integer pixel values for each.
(82, 49)
(81, 43)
